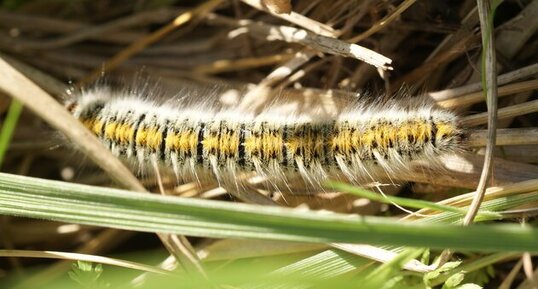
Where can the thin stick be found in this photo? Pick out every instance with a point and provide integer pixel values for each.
(43, 80)
(150, 39)
(491, 194)
(477, 97)
(82, 257)
(104, 240)
(490, 81)
(220, 66)
(33, 97)
(477, 86)
(318, 42)
(528, 269)
(278, 6)
(505, 137)
(93, 32)
(503, 113)
(42, 24)
(181, 242)
(297, 19)
(384, 22)
(509, 279)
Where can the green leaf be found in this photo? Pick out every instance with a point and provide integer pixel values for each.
(425, 258)
(406, 202)
(453, 281)
(10, 123)
(53, 200)
(437, 272)
(87, 275)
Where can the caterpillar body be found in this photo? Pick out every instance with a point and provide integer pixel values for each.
(360, 144)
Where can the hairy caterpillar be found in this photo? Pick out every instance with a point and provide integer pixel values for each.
(360, 144)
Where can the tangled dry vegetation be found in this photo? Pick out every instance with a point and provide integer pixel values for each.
(308, 54)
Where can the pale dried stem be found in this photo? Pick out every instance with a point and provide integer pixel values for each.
(297, 19)
(503, 79)
(315, 41)
(477, 97)
(278, 6)
(507, 136)
(503, 113)
(463, 171)
(528, 268)
(509, 279)
(50, 84)
(491, 194)
(241, 64)
(105, 239)
(33, 97)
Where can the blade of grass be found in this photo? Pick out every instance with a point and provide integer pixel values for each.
(10, 123)
(380, 275)
(405, 202)
(332, 263)
(489, 82)
(37, 198)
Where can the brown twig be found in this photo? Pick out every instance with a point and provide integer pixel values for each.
(503, 113)
(503, 79)
(297, 19)
(318, 42)
(34, 98)
(95, 32)
(278, 6)
(384, 22)
(505, 137)
(477, 97)
(137, 46)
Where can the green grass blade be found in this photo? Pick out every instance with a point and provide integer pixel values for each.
(405, 202)
(37, 198)
(333, 263)
(10, 123)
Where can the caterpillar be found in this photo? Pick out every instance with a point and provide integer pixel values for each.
(360, 144)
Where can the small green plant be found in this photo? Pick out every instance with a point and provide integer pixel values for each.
(88, 276)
